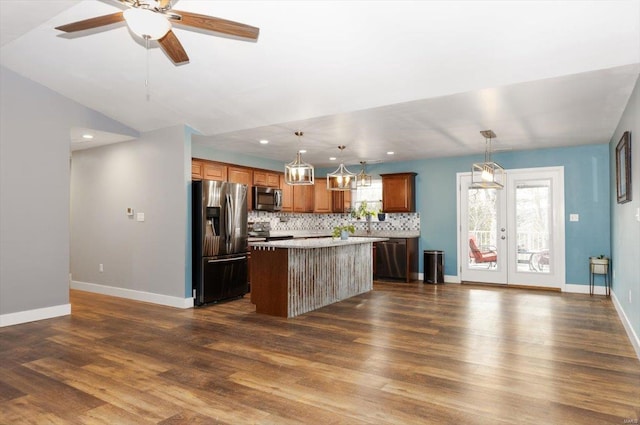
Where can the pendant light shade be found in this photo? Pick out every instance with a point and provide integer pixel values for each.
(341, 179)
(363, 179)
(487, 174)
(298, 172)
(147, 24)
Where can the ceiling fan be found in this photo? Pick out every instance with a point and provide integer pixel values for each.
(152, 20)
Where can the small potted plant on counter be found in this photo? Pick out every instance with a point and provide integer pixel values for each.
(343, 231)
(381, 215)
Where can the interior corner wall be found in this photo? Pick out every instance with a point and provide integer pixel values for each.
(625, 226)
(147, 175)
(35, 127)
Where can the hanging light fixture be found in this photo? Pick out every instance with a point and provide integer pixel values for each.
(341, 179)
(298, 172)
(487, 174)
(363, 179)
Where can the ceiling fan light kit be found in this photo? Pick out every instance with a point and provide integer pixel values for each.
(341, 179)
(147, 24)
(298, 172)
(487, 174)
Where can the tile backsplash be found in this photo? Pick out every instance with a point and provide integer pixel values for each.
(302, 221)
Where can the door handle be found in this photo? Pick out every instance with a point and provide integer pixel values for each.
(227, 260)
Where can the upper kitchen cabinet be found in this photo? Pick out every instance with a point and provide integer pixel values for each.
(341, 202)
(207, 170)
(196, 169)
(244, 176)
(287, 195)
(303, 198)
(322, 197)
(398, 192)
(265, 178)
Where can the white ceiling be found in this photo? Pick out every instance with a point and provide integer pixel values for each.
(421, 78)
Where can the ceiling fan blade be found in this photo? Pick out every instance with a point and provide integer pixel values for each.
(216, 24)
(98, 21)
(172, 47)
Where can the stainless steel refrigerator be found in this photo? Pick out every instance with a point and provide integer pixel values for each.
(220, 248)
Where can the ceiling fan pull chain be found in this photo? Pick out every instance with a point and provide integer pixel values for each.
(146, 80)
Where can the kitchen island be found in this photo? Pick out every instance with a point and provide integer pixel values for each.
(292, 277)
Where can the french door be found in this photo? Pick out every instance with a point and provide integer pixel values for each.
(513, 235)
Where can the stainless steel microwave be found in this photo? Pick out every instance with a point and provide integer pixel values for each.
(267, 199)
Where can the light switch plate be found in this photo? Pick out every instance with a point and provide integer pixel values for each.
(129, 211)
(574, 217)
(140, 217)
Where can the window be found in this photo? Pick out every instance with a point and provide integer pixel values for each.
(372, 195)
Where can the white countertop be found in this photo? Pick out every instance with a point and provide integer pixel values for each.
(358, 233)
(315, 242)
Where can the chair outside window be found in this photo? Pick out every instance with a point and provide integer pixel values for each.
(487, 255)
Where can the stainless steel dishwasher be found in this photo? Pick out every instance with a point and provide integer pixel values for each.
(391, 258)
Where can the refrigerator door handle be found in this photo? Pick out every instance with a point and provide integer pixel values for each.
(227, 260)
(229, 218)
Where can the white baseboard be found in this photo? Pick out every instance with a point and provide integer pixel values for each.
(131, 294)
(633, 337)
(584, 289)
(34, 315)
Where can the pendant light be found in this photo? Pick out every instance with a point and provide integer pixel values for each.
(487, 174)
(341, 179)
(298, 172)
(363, 179)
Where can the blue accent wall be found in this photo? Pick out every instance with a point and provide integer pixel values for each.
(586, 175)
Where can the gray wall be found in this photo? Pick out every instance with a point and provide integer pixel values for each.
(35, 127)
(625, 228)
(147, 175)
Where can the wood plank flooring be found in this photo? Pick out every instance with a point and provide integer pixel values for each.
(405, 353)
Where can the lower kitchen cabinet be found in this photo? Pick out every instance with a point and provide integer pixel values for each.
(397, 258)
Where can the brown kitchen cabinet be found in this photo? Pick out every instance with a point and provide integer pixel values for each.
(197, 169)
(341, 201)
(303, 198)
(214, 171)
(206, 170)
(265, 178)
(398, 192)
(287, 195)
(322, 197)
(244, 176)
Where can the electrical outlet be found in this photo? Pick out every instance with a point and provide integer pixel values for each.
(140, 216)
(574, 217)
(100, 268)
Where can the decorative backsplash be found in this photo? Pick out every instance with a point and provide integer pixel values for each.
(307, 221)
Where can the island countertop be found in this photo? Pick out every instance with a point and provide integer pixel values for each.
(315, 242)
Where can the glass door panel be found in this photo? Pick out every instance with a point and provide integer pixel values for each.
(483, 233)
(533, 226)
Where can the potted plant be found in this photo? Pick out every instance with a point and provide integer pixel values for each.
(343, 231)
(381, 215)
(363, 211)
(599, 264)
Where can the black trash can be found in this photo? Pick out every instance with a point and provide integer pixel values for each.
(433, 266)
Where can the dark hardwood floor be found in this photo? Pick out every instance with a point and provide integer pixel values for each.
(401, 354)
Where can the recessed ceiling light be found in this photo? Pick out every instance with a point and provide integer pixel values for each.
(390, 153)
(333, 158)
(264, 142)
(87, 136)
(302, 151)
